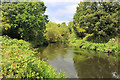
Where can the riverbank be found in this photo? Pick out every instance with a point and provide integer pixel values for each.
(109, 47)
(19, 61)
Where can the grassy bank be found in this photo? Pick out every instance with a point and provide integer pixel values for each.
(109, 47)
(18, 61)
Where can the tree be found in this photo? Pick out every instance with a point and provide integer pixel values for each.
(63, 24)
(64, 31)
(24, 20)
(57, 33)
(98, 18)
(70, 26)
(52, 32)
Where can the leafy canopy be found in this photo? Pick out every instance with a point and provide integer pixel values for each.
(98, 18)
(24, 20)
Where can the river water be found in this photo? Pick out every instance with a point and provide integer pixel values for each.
(80, 63)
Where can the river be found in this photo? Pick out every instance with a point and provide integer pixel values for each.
(79, 63)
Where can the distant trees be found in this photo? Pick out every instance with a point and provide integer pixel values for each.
(100, 21)
(57, 32)
(52, 32)
(24, 20)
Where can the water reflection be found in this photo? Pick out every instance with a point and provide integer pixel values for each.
(52, 51)
(88, 65)
(94, 67)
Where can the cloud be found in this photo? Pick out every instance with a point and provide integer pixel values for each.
(64, 14)
(61, 10)
(58, 21)
(69, 9)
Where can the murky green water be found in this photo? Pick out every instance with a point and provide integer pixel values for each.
(88, 65)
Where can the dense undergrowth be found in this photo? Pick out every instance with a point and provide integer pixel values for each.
(18, 61)
(108, 47)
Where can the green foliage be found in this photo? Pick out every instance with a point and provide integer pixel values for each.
(119, 48)
(70, 26)
(57, 32)
(52, 32)
(65, 33)
(24, 20)
(72, 38)
(103, 47)
(98, 18)
(86, 37)
(18, 61)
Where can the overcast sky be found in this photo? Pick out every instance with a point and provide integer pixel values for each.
(61, 10)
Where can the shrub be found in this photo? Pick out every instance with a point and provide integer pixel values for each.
(19, 61)
(104, 47)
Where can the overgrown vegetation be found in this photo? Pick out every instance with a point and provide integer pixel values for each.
(18, 61)
(108, 47)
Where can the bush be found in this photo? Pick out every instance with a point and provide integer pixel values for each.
(18, 61)
(104, 47)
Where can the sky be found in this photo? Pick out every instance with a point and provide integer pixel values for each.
(59, 11)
